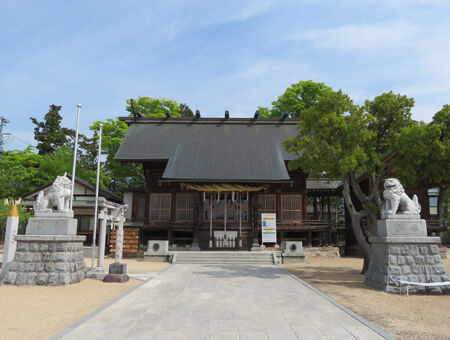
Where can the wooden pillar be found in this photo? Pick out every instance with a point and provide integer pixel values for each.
(322, 208)
(147, 174)
(305, 207)
(315, 208)
(329, 209)
(194, 245)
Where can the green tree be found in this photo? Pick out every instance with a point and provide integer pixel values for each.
(185, 111)
(297, 98)
(423, 154)
(116, 175)
(119, 175)
(23, 171)
(344, 140)
(20, 172)
(155, 107)
(49, 134)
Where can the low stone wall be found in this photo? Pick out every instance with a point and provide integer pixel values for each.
(406, 259)
(328, 252)
(48, 260)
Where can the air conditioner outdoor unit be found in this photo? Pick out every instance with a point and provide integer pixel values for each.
(292, 247)
(156, 247)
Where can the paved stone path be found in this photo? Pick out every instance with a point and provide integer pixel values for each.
(222, 302)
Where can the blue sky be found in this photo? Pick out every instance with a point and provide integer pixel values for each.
(214, 55)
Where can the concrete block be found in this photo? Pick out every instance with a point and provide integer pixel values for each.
(292, 247)
(156, 258)
(293, 258)
(117, 268)
(157, 247)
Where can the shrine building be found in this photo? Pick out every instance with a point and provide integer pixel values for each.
(208, 180)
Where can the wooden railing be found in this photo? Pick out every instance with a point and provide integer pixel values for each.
(229, 243)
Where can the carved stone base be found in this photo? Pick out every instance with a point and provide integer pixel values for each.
(397, 226)
(414, 259)
(47, 260)
(51, 225)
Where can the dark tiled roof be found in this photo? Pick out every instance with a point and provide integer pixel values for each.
(211, 149)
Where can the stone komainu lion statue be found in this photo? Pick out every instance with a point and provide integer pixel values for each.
(58, 194)
(396, 199)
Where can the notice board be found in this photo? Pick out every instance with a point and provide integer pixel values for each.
(269, 228)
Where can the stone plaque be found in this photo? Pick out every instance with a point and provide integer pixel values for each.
(402, 227)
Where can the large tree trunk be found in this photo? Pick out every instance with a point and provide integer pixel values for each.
(355, 217)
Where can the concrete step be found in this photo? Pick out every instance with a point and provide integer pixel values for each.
(216, 257)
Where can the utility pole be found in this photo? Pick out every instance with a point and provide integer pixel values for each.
(3, 122)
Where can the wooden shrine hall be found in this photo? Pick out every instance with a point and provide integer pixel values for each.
(208, 180)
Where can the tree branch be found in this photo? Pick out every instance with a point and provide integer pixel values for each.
(357, 189)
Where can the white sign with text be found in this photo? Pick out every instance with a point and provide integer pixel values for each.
(269, 228)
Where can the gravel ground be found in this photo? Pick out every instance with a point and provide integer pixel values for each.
(40, 312)
(412, 317)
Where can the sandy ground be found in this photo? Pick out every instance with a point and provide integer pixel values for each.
(134, 266)
(412, 317)
(40, 312)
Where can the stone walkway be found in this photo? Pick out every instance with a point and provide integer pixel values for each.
(222, 302)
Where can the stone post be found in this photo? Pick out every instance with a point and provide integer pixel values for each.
(102, 239)
(119, 242)
(12, 224)
(118, 270)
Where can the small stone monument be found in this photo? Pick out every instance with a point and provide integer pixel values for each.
(118, 270)
(402, 250)
(50, 252)
(157, 251)
(292, 252)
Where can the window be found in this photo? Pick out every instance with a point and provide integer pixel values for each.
(160, 207)
(291, 207)
(267, 203)
(433, 205)
(85, 223)
(184, 207)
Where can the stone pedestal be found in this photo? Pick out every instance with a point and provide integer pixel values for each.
(157, 251)
(293, 252)
(402, 251)
(52, 224)
(117, 273)
(48, 260)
